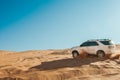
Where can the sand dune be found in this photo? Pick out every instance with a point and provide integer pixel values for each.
(57, 65)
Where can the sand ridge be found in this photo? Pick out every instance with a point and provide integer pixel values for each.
(57, 65)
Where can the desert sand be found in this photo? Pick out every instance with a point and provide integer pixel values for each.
(57, 65)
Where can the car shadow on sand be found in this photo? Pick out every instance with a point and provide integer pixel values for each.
(64, 63)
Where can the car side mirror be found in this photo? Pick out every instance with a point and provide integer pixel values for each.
(80, 45)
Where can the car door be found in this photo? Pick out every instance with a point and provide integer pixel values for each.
(84, 47)
(93, 46)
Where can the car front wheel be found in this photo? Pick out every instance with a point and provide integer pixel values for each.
(101, 54)
(75, 54)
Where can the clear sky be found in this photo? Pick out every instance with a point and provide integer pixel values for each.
(56, 24)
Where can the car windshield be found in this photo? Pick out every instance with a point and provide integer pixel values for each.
(107, 42)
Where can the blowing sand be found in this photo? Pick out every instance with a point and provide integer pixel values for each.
(57, 65)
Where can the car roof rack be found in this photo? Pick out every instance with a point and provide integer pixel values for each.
(99, 40)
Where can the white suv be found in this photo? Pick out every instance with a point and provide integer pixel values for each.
(99, 47)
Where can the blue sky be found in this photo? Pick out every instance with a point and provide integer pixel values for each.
(56, 24)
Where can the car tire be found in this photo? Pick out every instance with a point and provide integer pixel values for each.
(75, 54)
(100, 53)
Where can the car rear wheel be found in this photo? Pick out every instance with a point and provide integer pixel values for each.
(101, 54)
(75, 54)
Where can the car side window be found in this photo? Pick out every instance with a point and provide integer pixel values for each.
(84, 44)
(106, 42)
(89, 44)
(93, 44)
